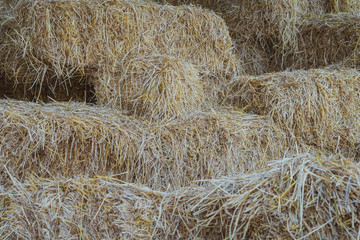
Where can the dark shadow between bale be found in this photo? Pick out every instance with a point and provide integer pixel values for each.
(79, 89)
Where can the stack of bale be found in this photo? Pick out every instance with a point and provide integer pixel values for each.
(256, 27)
(319, 106)
(157, 78)
(156, 73)
(312, 197)
(272, 35)
(57, 44)
(74, 138)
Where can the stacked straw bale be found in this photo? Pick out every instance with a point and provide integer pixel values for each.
(319, 106)
(252, 18)
(301, 197)
(263, 20)
(255, 26)
(68, 170)
(74, 138)
(296, 197)
(52, 42)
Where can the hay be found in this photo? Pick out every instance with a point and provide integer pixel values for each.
(325, 40)
(63, 166)
(52, 42)
(263, 20)
(302, 197)
(74, 138)
(319, 106)
(156, 86)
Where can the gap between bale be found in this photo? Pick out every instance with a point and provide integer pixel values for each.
(320, 106)
(78, 89)
(307, 196)
(74, 138)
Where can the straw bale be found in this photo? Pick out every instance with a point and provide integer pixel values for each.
(154, 86)
(311, 197)
(326, 40)
(320, 106)
(254, 32)
(74, 138)
(58, 40)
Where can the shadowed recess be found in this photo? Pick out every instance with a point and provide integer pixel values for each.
(79, 89)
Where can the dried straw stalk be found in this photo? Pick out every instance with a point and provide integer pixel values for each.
(304, 197)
